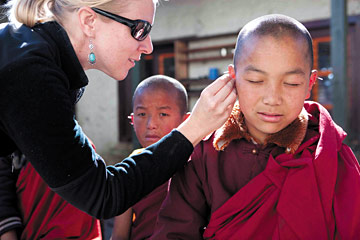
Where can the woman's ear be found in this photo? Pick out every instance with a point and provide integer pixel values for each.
(87, 18)
(231, 70)
(312, 81)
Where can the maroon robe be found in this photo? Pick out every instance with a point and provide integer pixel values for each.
(145, 213)
(146, 210)
(309, 190)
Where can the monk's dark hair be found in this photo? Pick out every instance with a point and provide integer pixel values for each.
(167, 84)
(277, 26)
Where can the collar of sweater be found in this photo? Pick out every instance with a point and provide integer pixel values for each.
(235, 128)
(56, 35)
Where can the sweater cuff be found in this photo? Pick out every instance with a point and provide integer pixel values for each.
(180, 137)
(10, 223)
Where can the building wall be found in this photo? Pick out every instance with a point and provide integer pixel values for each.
(97, 111)
(190, 18)
(201, 69)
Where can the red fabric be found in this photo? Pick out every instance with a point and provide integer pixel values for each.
(315, 195)
(146, 212)
(46, 215)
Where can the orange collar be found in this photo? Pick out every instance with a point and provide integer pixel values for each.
(235, 128)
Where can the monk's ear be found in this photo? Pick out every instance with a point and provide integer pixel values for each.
(312, 81)
(131, 118)
(231, 70)
(87, 18)
(186, 115)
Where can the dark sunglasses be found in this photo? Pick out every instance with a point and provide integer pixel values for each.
(140, 29)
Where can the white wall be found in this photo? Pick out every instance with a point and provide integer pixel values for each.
(97, 111)
(182, 18)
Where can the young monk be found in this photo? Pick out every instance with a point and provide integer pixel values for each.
(159, 105)
(278, 168)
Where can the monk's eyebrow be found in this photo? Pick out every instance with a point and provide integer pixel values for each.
(252, 68)
(140, 108)
(160, 108)
(297, 71)
(164, 107)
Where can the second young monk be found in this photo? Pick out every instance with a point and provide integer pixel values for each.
(159, 105)
(278, 168)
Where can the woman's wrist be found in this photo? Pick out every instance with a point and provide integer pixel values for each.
(211, 110)
(191, 131)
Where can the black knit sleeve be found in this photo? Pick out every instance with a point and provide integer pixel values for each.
(105, 192)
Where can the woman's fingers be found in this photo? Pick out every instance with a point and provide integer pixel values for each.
(221, 94)
(218, 84)
(226, 95)
(219, 89)
(230, 101)
(211, 110)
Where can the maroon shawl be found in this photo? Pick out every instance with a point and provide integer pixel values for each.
(313, 193)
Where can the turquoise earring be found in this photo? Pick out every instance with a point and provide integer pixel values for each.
(91, 57)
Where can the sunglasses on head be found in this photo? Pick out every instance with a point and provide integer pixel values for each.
(140, 29)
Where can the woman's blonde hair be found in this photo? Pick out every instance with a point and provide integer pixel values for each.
(30, 12)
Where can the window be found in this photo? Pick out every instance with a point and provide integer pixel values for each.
(322, 90)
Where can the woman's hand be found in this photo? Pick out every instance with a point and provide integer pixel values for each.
(211, 110)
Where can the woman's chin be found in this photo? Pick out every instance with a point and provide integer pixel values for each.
(120, 76)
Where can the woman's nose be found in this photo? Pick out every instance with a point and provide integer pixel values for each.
(146, 45)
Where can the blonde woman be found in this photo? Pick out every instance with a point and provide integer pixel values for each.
(42, 63)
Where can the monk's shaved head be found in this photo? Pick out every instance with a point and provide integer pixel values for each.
(277, 26)
(167, 84)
